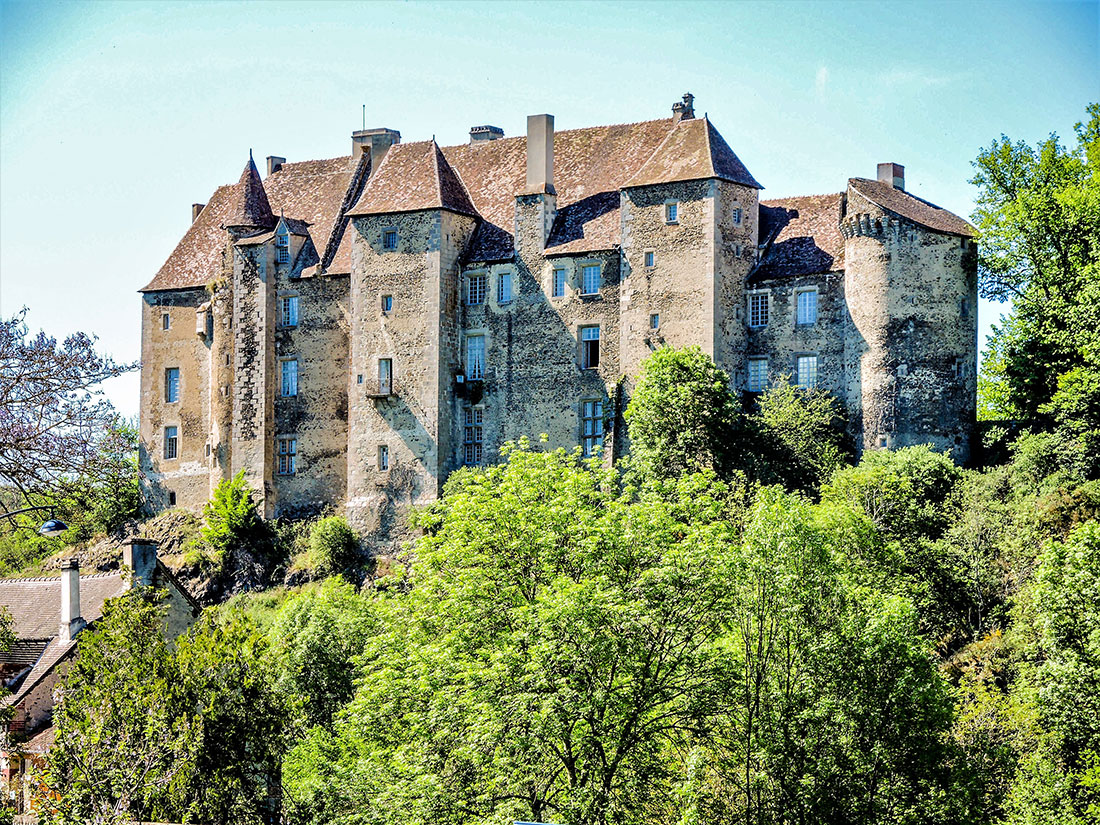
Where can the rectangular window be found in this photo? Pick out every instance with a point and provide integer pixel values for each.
(650, 258)
(559, 283)
(590, 279)
(171, 442)
(590, 347)
(474, 436)
(672, 212)
(757, 374)
(288, 456)
(807, 307)
(389, 239)
(289, 308)
(475, 290)
(289, 378)
(591, 426)
(504, 287)
(737, 215)
(807, 371)
(964, 308)
(475, 357)
(165, 320)
(654, 320)
(385, 376)
(282, 248)
(172, 385)
(758, 310)
(383, 457)
(387, 303)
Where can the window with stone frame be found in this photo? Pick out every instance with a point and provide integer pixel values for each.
(758, 309)
(504, 288)
(287, 451)
(737, 214)
(557, 289)
(590, 347)
(165, 320)
(806, 371)
(171, 442)
(473, 436)
(590, 279)
(282, 246)
(387, 304)
(757, 373)
(289, 378)
(672, 212)
(654, 320)
(288, 311)
(475, 289)
(591, 425)
(385, 376)
(383, 457)
(650, 258)
(389, 240)
(172, 385)
(807, 307)
(475, 357)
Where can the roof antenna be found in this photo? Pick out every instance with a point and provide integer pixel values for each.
(364, 117)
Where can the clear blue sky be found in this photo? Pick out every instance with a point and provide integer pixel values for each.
(115, 117)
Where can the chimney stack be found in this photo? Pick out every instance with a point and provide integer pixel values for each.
(483, 134)
(140, 556)
(71, 622)
(893, 174)
(540, 154)
(684, 110)
(375, 141)
(196, 210)
(274, 164)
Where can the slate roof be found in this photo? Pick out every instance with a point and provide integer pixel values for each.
(801, 236)
(911, 207)
(693, 150)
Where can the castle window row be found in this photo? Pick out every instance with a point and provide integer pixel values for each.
(759, 308)
(805, 372)
(591, 279)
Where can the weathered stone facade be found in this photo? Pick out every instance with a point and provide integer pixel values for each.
(449, 300)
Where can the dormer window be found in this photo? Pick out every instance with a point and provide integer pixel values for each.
(282, 245)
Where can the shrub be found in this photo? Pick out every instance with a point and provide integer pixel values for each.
(333, 546)
(231, 517)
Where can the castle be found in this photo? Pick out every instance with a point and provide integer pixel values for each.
(349, 331)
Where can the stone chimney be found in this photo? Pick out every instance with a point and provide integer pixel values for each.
(483, 134)
(140, 556)
(274, 163)
(375, 141)
(196, 210)
(71, 622)
(684, 110)
(893, 174)
(540, 154)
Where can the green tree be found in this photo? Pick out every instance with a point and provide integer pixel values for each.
(333, 547)
(682, 415)
(231, 517)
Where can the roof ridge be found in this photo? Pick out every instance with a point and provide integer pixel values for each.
(97, 575)
(360, 176)
(795, 197)
(436, 157)
(559, 132)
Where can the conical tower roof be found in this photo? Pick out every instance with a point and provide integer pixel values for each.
(248, 204)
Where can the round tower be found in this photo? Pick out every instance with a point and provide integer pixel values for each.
(911, 345)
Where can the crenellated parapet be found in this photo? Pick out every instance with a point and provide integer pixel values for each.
(871, 226)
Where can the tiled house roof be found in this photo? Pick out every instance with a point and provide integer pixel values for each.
(801, 236)
(248, 204)
(413, 177)
(34, 603)
(693, 150)
(197, 258)
(911, 207)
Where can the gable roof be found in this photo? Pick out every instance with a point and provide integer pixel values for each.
(911, 207)
(413, 177)
(35, 604)
(801, 236)
(197, 258)
(693, 150)
(248, 204)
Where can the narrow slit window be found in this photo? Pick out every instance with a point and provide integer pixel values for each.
(387, 303)
(165, 320)
(383, 457)
(590, 347)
